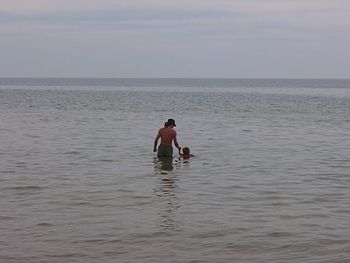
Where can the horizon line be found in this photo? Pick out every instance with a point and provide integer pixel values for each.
(187, 78)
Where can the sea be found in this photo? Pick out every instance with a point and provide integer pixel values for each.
(269, 180)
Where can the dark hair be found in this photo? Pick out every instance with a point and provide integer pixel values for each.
(166, 124)
(186, 150)
(171, 122)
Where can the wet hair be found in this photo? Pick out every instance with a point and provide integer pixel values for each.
(169, 122)
(186, 150)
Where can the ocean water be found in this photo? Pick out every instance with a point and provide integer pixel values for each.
(270, 180)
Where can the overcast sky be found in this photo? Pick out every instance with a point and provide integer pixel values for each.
(175, 38)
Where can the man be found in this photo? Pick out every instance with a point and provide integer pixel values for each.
(167, 135)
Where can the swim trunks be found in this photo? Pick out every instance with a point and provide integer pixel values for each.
(165, 150)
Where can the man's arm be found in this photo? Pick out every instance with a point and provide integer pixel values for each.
(156, 142)
(176, 142)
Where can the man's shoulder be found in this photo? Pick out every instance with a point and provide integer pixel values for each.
(167, 130)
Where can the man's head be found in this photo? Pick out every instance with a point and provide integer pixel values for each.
(171, 122)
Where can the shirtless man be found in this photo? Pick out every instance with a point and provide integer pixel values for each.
(167, 135)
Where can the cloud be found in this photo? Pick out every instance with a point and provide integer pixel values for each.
(294, 15)
(161, 13)
(187, 36)
(20, 6)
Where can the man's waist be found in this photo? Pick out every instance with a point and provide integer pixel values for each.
(165, 144)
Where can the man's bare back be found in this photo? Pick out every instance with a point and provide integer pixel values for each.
(167, 135)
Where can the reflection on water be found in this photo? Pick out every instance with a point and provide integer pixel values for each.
(163, 164)
(165, 190)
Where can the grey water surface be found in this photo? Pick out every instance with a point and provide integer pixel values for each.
(270, 180)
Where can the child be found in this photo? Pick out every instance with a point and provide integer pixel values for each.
(186, 153)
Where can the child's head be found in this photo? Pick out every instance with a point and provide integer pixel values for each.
(186, 150)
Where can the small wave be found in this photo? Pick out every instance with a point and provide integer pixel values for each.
(6, 217)
(98, 241)
(342, 211)
(280, 234)
(151, 235)
(212, 234)
(8, 172)
(106, 160)
(72, 152)
(83, 203)
(27, 187)
(5, 130)
(44, 224)
(68, 255)
(33, 136)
